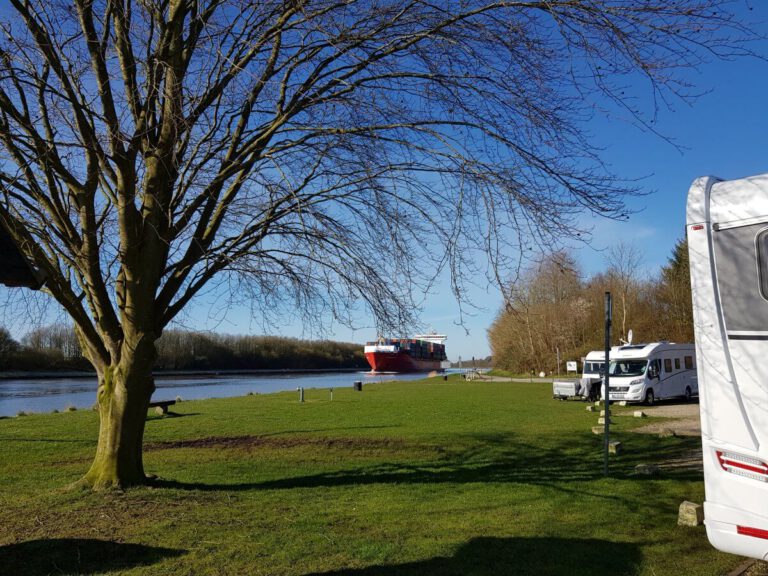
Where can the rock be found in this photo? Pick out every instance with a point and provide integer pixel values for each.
(647, 470)
(666, 433)
(590, 408)
(602, 421)
(159, 410)
(639, 414)
(690, 514)
(623, 403)
(597, 403)
(598, 430)
(615, 448)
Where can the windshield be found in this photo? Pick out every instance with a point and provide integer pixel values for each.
(628, 367)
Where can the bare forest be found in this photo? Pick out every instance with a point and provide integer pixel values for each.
(555, 310)
(56, 347)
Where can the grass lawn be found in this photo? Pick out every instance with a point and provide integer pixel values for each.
(427, 477)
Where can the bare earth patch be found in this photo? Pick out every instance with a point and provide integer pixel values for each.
(686, 421)
(251, 442)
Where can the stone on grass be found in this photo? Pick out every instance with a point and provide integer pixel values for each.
(590, 408)
(666, 433)
(623, 403)
(598, 430)
(159, 410)
(647, 470)
(615, 447)
(597, 403)
(602, 421)
(639, 414)
(691, 514)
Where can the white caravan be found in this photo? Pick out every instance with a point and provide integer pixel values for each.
(728, 248)
(655, 371)
(592, 365)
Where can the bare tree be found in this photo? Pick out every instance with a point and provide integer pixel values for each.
(317, 152)
(545, 313)
(624, 275)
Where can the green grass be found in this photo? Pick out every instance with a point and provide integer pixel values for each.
(431, 477)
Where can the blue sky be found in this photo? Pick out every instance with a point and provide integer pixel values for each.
(723, 133)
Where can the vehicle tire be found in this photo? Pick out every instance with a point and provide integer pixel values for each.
(688, 394)
(650, 399)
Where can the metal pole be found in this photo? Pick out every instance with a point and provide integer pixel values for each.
(606, 377)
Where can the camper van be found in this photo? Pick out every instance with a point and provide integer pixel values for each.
(727, 228)
(650, 372)
(576, 388)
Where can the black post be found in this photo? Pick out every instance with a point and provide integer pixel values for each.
(606, 377)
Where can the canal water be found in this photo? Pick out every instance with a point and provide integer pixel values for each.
(48, 394)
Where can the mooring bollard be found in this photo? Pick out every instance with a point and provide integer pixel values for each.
(301, 394)
(331, 394)
(358, 386)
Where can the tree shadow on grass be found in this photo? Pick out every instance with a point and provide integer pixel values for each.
(491, 458)
(48, 440)
(78, 556)
(518, 556)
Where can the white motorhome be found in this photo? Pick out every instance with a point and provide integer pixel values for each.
(592, 365)
(650, 372)
(727, 225)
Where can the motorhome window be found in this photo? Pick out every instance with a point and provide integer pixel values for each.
(689, 362)
(628, 367)
(677, 363)
(593, 367)
(762, 261)
(667, 365)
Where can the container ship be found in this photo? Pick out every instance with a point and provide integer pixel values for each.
(423, 353)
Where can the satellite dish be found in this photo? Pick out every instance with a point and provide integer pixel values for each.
(629, 336)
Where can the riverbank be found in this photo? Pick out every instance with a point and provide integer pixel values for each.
(409, 478)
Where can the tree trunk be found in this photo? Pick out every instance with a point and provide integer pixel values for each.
(124, 392)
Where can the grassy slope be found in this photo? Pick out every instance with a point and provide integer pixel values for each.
(403, 478)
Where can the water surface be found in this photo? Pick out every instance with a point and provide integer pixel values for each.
(48, 394)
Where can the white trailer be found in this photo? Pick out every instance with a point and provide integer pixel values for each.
(650, 372)
(574, 388)
(727, 225)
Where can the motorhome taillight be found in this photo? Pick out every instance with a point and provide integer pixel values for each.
(697, 227)
(743, 465)
(749, 531)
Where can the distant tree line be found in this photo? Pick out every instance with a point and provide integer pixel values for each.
(55, 347)
(553, 309)
(182, 350)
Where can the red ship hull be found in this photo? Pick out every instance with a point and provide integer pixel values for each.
(399, 362)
